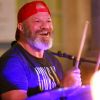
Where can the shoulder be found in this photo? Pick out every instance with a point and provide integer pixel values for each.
(12, 53)
(10, 59)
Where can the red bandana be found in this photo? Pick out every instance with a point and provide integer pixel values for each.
(31, 8)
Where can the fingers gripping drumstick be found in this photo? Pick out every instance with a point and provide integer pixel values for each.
(82, 44)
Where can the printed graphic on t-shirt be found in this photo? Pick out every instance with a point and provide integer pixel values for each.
(47, 77)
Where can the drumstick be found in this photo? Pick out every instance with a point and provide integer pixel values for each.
(98, 63)
(82, 44)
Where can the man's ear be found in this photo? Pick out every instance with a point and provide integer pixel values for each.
(20, 27)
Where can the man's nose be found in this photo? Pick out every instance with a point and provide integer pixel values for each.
(44, 25)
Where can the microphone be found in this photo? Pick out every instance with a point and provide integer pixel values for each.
(71, 57)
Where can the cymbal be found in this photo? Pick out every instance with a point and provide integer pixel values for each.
(78, 93)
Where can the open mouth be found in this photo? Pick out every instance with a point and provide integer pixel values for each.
(44, 33)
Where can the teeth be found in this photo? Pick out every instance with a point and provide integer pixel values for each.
(43, 33)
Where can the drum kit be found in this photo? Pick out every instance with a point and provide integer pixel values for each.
(78, 93)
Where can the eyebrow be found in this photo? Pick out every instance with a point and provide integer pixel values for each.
(38, 18)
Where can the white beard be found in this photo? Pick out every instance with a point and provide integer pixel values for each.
(41, 45)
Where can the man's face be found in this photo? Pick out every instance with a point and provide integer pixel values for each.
(38, 30)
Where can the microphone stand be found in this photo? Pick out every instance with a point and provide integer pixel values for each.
(71, 57)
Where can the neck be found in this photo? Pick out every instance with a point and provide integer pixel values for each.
(32, 51)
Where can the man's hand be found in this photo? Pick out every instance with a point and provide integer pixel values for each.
(72, 78)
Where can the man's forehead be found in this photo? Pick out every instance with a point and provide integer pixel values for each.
(42, 15)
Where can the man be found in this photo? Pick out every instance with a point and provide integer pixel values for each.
(28, 67)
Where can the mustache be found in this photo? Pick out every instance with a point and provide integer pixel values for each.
(43, 30)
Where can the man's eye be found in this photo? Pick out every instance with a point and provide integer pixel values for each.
(37, 21)
(49, 21)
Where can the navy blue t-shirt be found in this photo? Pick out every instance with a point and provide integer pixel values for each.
(21, 70)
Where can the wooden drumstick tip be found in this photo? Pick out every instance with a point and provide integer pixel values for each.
(87, 22)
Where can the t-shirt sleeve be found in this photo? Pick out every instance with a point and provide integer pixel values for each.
(12, 75)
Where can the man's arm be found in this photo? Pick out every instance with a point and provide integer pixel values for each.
(14, 95)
